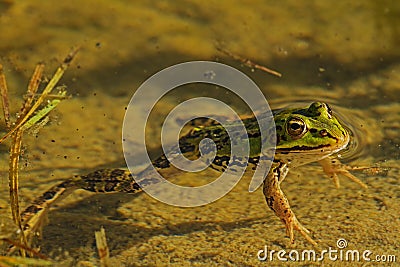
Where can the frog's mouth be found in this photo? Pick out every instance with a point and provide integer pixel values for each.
(340, 143)
(300, 155)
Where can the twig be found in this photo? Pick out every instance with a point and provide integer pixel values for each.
(249, 63)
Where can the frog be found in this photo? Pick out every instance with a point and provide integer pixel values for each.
(304, 135)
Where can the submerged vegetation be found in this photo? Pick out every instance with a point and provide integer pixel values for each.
(32, 115)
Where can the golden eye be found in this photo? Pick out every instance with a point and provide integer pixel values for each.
(296, 128)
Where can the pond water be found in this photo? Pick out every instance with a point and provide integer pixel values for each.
(343, 53)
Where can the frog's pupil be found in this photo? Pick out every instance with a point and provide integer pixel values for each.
(295, 126)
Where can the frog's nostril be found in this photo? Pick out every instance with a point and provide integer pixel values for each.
(323, 133)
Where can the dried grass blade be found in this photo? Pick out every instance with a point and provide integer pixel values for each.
(4, 97)
(17, 261)
(102, 247)
(42, 113)
(18, 245)
(15, 152)
(50, 86)
(32, 88)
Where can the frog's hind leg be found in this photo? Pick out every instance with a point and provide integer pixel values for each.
(107, 180)
(34, 216)
(278, 202)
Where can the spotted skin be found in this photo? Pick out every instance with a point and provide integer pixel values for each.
(304, 135)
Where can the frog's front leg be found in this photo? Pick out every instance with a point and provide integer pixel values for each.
(278, 202)
(332, 167)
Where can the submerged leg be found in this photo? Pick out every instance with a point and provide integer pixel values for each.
(107, 180)
(113, 180)
(332, 167)
(279, 204)
(102, 181)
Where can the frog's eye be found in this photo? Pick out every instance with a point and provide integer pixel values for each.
(296, 128)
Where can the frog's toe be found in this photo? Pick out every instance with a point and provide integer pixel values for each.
(291, 224)
(301, 228)
(289, 229)
(353, 178)
(346, 173)
(303, 231)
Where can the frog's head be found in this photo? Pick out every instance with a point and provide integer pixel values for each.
(310, 130)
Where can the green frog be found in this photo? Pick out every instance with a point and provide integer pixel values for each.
(303, 135)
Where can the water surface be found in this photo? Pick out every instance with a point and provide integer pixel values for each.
(342, 53)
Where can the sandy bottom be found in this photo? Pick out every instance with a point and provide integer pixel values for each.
(321, 57)
(142, 231)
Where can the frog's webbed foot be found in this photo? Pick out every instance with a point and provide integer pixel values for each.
(333, 167)
(278, 202)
